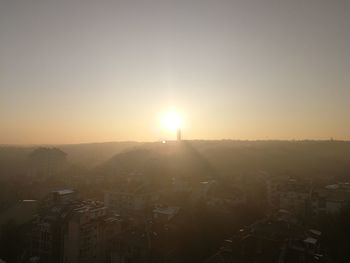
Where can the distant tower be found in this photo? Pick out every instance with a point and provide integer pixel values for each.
(179, 134)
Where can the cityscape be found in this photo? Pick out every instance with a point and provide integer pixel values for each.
(170, 131)
(178, 201)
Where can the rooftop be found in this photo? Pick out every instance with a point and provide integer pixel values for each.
(64, 191)
(170, 210)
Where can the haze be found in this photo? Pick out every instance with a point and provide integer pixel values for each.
(83, 71)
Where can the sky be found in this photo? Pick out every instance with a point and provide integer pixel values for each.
(94, 70)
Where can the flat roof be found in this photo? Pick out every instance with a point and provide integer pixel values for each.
(167, 210)
(64, 191)
(310, 240)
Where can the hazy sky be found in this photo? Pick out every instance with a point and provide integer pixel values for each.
(84, 71)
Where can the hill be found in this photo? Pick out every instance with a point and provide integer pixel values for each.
(213, 159)
(13, 159)
(92, 154)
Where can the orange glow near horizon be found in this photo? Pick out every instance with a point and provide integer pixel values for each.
(119, 71)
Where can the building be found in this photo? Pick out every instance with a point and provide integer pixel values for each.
(165, 213)
(223, 198)
(276, 239)
(290, 194)
(132, 200)
(69, 230)
(331, 198)
(21, 213)
(273, 186)
(178, 134)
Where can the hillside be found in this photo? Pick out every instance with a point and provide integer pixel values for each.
(13, 159)
(203, 158)
(92, 154)
(307, 159)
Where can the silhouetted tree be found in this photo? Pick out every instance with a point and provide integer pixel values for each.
(46, 162)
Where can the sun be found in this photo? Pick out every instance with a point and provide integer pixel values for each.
(171, 120)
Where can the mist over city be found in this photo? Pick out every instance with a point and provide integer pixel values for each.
(174, 131)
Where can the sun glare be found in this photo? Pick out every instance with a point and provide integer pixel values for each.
(172, 120)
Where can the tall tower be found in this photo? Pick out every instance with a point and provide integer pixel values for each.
(178, 134)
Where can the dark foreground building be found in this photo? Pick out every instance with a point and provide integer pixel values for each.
(277, 239)
(69, 230)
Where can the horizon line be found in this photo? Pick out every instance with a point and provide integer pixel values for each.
(156, 141)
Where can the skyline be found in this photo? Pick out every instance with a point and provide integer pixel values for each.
(88, 71)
